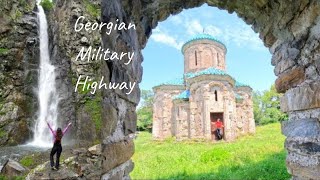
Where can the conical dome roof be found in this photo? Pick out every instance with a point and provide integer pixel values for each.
(201, 37)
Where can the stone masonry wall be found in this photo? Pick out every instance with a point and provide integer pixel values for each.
(163, 111)
(212, 55)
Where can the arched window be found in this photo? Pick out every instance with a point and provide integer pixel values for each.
(178, 111)
(216, 95)
(195, 57)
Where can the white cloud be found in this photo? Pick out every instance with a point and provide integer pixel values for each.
(242, 36)
(176, 19)
(164, 38)
(193, 27)
(183, 26)
(213, 30)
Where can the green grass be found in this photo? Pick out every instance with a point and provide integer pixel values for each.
(259, 156)
(2, 177)
(27, 161)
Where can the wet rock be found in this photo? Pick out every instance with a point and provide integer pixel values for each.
(12, 168)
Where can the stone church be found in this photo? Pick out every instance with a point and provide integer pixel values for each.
(188, 108)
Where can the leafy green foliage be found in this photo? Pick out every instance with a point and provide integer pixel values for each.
(47, 5)
(144, 113)
(266, 107)
(3, 133)
(92, 9)
(3, 50)
(261, 156)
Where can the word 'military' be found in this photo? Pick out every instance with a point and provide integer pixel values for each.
(90, 54)
(88, 84)
(98, 26)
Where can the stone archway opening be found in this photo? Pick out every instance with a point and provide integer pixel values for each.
(291, 32)
(152, 58)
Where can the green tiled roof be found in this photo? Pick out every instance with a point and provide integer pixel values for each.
(211, 70)
(203, 36)
(239, 84)
(184, 95)
(175, 82)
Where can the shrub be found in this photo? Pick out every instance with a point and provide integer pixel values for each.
(47, 5)
(3, 50)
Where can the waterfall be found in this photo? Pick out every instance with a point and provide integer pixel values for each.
(47, 96)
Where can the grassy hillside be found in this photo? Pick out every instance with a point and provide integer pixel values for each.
(260, 156)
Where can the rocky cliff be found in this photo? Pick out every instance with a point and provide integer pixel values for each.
(19, 59)
(81, 107)
(19, 53)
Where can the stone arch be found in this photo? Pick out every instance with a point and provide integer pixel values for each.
(290, 29)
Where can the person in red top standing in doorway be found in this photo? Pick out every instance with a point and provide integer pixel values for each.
(219, 126)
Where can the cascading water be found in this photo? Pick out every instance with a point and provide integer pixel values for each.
(47, 95)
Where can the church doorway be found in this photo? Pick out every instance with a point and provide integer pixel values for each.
(213, 119)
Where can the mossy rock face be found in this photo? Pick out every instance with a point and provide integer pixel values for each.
(19, 134)
(18, 26)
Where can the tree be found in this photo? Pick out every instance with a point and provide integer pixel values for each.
(266, 107)
(145, 113)
(257, 112)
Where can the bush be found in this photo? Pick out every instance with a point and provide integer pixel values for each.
(3, 50)
(27, 161)
(47, 5)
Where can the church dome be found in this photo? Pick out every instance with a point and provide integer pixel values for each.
(202, 36)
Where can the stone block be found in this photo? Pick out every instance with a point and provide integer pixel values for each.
(12, 168)
(301, 128)
(109, 117)
(301, 98)
(290, 79)
(116, 154)
(130, 122)
(301, 168)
